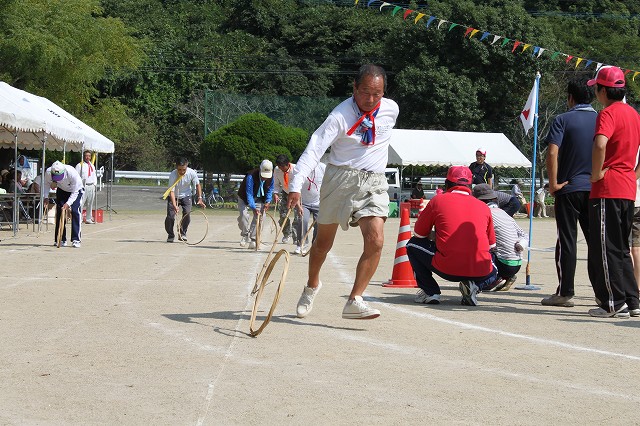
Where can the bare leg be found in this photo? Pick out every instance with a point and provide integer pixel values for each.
(372, 229)
(319, 250)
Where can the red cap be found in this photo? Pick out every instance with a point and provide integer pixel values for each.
(608, 76)
(482, 151)
(460, 175)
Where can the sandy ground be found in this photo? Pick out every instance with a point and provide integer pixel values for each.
(130, 329)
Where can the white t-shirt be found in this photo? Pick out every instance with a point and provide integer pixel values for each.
(87, 172)
(347, 150)
(184, 187)
(71, 182)
(310, 194)
(278, 177)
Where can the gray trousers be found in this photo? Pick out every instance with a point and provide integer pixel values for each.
(288, 229)
(308, 214)
(170, 220)
(247, 219)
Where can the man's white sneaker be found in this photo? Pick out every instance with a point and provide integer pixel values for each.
(634, 312)
(62, 244)
(298, 250)
(244, 241)
(623, 312)
(286, 240)
(252, 245)
(305, 303)
(75, 244)
(422, 297)
(358, 309)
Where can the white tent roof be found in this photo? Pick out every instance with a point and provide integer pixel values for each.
(444, 148)
(32, 115)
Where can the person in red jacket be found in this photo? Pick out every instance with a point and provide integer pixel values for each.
(614, 170)
(464, 237)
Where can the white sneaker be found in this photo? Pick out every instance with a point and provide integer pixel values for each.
(422, 297)
(634, 312)
(244, 241)
(298, 250)
(75, 244)
(252, 245)
(89, 222)
(623, 312)
(358, 309)
(62, 244)
(305, 303)
(286, 240)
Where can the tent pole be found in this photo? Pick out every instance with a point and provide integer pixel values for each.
(42, 170)
(16, 212)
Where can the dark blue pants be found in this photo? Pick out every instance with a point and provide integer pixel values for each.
(76, 214)
(512, 207)
(421, 252)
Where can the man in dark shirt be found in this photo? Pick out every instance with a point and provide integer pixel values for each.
(417, 192)
(482, 172)
(568, 161)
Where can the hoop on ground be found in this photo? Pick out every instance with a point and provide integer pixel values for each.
(261, 289)
(62, 222)
(304, 252)
(199, 227)
(266, 262)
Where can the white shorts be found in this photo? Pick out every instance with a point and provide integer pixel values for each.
(348, 194)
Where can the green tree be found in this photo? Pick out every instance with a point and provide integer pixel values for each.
(243, 144)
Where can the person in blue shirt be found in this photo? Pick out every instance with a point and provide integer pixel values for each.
(568, 161)
(255, 193)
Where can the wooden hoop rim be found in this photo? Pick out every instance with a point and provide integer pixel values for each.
(302, 252)
(206, 230)
(62, 221)
(266, 262)
(261, 288)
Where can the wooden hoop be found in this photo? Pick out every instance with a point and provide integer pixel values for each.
(302, 252)
(261, 287)
(206, 231)
(62, 222)
(266, 262)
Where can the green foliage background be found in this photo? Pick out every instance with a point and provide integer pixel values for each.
(138, 70)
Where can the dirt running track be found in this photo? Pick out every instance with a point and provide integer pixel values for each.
(132, 330)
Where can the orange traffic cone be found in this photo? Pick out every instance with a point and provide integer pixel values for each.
(402, 276)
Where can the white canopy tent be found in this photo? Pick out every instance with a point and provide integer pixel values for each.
(445, 148)
(28, 121)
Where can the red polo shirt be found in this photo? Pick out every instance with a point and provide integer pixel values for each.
(464, 233)
(620, 123)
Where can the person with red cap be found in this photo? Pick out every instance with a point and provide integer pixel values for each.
(611, 202)
(464, 239)
(482, 172)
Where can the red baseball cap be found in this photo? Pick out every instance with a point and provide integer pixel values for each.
(460, 175)
(608, 76)
(482, 151)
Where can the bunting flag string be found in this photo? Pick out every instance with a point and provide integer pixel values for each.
(469, 32)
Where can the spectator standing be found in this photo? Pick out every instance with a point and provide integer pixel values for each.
(282, 175)
(570, 142)
(540, 206)
(87, 173)
(482, 172)
(354, 189)
(183, 178)
(464, 236)
(614, 172)
(69, 191)
(255, 194)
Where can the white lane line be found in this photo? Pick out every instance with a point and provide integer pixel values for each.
(227, 356)
(545, 342)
